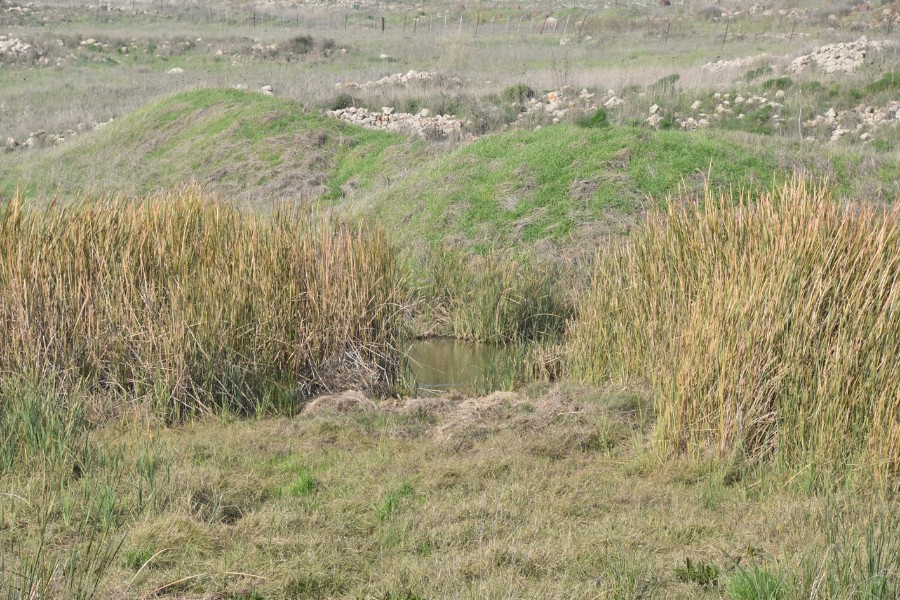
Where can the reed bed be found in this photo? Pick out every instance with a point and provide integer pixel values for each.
(195, 304)
(492, 298)
(767, 326)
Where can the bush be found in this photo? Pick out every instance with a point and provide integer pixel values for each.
(779, 83)
(666, 83)
(301, 44)
(342, 101)
(595, 121)
(758, 72)
(518, 92)
(889, 82)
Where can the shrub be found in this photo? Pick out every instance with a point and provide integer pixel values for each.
(666, 83)
(889, 82)
(779, 83)
(518, 92)
(758, 72)
(342, 101)
(595, 121)
(301, 44)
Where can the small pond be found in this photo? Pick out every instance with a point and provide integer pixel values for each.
(439, 363)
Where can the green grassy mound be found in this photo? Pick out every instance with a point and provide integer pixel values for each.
(246, 145)
(562, 183)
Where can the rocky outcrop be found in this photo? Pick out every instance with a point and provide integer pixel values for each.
(865, 121)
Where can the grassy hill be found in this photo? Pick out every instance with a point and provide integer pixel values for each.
(558, 187)
(246, 145)
(561, 183)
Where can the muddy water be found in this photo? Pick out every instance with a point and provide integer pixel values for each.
(446, 363)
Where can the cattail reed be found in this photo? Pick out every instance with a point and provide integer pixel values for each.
(195, 304)
(767, 327)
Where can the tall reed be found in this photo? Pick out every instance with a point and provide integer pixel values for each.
(194, 303)
(767, 326)
(492, 298)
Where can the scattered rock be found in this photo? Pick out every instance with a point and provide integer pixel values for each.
(556, 104)
(397, 79)
(723, 65)
(175, 71)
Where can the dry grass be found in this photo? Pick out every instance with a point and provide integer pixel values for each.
(548, 493)
(194, 304)
(767, 326)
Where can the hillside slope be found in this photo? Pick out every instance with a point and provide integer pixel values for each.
(561, 184)
(556, 188)
(245, 145)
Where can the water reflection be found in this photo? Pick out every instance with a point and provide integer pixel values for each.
(446, 363)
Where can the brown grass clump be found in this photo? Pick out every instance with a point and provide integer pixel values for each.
(195, 304)
(767, 327)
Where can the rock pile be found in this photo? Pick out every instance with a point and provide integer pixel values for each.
(41, 138)
(833, 58)
(13, 48)
(397, 79)
(422, 124)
